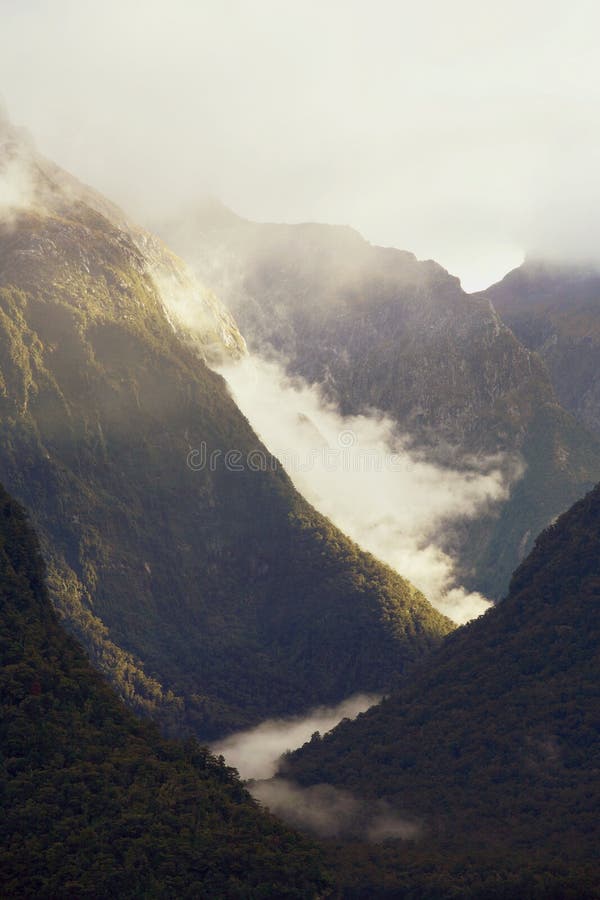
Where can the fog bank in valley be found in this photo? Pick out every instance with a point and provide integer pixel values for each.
(321, 809)
(255, 753)
(361, 474)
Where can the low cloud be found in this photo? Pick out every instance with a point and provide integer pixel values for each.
(195, 309)
(16, 187)
(331, 812)
(361, 474)
(321, 809)
(255, 753)
(468, 132)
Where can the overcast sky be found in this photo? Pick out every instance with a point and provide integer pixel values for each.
(464, 130)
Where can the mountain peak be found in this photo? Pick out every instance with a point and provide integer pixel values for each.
(30, 182)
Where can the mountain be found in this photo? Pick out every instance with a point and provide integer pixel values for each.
(494, 747)
(178, 551)
(94, 803)
(555, 310)
(376, 328)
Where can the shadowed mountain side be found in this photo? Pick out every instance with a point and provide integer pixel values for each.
(555, 310)
(94, 803)
(495, 745)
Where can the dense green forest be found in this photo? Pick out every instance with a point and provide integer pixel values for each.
(494, 747)
(94, 803)
(212, 598)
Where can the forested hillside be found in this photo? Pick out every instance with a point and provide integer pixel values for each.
(94, 803)
(495, 746)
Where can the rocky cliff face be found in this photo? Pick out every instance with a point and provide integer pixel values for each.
(213, 595)
(555, 310)
(378, 329)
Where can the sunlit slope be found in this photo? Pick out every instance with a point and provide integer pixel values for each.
(212, 597)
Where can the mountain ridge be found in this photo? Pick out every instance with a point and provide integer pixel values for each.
(377, 329)
(554, 308)
(211, 598)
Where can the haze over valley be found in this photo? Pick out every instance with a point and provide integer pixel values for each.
(299, 450)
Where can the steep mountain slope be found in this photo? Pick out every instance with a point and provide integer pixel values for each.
(555, 310)
(212, 594)
(495, 745)
(95, 804)
(377, 328)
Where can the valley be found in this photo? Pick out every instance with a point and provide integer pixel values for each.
(299, 553)
(378, 331)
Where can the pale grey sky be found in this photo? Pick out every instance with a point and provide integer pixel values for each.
(465, 131)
